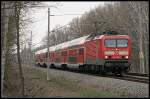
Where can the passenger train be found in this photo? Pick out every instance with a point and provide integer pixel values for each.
(97, 53)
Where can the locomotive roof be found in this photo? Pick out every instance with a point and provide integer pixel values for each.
(118, 36)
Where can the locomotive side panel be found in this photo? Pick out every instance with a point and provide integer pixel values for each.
(92, 52)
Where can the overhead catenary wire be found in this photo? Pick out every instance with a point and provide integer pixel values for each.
(63, 27)
(64, 14)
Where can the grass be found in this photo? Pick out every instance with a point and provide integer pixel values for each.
(82, 91)
(93, 92)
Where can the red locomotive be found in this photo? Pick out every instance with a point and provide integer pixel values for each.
(98, 53)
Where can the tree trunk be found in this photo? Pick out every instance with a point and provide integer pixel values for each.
(146, 53)
(4, 31)
(17, 11)
(141, 56)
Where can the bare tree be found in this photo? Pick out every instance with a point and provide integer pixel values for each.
(17, 14)
(5, 15)
(11, 33)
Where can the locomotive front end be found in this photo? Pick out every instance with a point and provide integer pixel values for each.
(117, 53)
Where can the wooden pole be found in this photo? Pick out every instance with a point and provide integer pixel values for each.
(48, 57)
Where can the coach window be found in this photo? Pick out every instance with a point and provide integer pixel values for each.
(43, 55)
(64, 53)
(50, 54)
(81, 51)
(57, 52)
(46, 54)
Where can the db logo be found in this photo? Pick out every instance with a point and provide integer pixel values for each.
(116, 52)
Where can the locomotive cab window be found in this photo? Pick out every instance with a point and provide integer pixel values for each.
(110, 43)
(122, 43)
(116, 43)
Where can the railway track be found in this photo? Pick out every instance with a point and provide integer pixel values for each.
(138, 74)
(129, 77)
(136, 78)
(140, 79)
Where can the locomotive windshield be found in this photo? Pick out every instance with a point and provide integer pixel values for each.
(110, 43)
(116, 43)
(122, 43)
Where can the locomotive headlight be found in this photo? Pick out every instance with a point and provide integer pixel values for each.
(123, 52)
(109, 52)
(126, 57)
(106, 57)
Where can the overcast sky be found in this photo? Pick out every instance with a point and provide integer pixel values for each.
(40, 26)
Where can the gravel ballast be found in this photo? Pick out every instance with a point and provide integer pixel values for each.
(116, 86)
